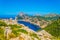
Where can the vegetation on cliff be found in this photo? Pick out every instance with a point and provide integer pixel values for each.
(54, 28)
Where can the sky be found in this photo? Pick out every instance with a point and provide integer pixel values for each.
(42, 7)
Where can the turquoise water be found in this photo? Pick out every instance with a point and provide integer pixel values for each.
(31, 26)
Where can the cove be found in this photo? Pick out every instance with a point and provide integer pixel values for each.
(30, 25)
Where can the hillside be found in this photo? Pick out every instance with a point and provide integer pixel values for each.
(54, 28)
(16, 32)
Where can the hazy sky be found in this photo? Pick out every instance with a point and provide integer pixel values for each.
(13, 7)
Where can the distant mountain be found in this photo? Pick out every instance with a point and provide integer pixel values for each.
(46, 17)
(51, 16)
(22, 15)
